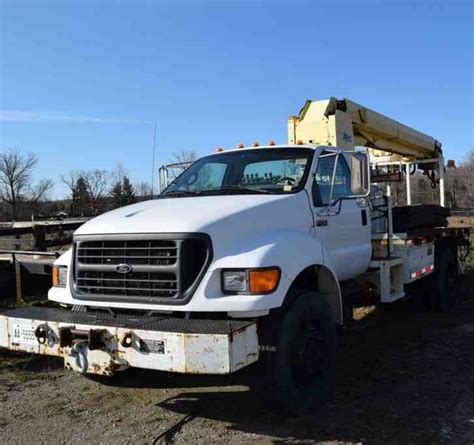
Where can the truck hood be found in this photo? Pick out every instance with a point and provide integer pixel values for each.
(234, 214)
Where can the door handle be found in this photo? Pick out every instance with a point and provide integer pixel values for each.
(363, 213)
(321, 222)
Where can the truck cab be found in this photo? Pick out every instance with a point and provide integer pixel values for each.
(230, 234)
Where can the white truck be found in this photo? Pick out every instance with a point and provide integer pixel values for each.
(253, 254)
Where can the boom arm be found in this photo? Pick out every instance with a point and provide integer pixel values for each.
(346, 124)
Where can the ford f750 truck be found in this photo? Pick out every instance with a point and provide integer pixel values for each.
(253, 254)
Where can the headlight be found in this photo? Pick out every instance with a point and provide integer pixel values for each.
(234, 281)
(250, 281)
(59, 276)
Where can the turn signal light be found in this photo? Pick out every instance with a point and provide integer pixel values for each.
(59, 275)
(55, 277)
(264, 280)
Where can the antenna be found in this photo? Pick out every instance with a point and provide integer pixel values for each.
(153, 163)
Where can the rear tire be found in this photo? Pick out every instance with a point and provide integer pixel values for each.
(297, 373)
(444, 282)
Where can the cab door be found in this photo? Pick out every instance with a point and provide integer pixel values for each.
(342, 221)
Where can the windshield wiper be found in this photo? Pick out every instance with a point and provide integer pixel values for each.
(238, 188)
(182, 193)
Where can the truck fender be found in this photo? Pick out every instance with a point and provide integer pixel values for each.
(294, 252)
(64, 259)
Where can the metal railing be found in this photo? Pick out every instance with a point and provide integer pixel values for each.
(17, 267)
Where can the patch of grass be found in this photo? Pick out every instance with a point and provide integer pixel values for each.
(37, 301)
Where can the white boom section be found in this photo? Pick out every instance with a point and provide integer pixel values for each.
(346, 124)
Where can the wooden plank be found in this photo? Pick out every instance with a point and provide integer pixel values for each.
(13, 231)
(19, 296)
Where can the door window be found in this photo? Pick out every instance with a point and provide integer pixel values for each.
(323, 180)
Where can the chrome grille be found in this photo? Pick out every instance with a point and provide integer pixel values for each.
(157, 269)
(141, 252)
(134, 284)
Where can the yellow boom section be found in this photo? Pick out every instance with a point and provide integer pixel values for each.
(346, 124)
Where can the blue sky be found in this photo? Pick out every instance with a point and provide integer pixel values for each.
(81, 81)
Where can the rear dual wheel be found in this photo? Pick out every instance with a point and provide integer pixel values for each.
(445, 281)
(437, 292)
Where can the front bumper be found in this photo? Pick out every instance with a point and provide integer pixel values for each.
(100, 343)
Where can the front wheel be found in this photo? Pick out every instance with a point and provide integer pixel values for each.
(298, 368)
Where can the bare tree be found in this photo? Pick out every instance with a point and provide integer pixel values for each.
(184, 157)
(16, 176)
(75, 181)
(40, 191)
(118, 173)
(70, 179)
(465, 181)
(143, 189)
(96, 183)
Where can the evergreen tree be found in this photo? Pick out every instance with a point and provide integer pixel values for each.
(117, 195)
(122, 193)
(80, 197)
(128, 191)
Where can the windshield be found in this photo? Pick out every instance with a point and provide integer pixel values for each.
(264, 170)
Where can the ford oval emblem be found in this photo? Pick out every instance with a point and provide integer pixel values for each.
(123, 268)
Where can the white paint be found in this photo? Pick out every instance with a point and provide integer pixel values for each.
(184, 353)
(246, 231)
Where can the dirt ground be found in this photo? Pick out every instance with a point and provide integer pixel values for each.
(403, 377)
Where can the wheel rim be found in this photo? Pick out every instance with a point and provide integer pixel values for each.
(310, 355)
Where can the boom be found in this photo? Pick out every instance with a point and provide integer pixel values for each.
(346, 124)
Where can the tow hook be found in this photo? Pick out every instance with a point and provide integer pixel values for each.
(41, 333)
(127, 340)
(79, 354)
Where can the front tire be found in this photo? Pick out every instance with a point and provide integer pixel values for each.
(298, 368)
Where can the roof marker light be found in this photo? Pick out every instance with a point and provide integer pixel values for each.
(299, 142)
(219, 149)
(240, 145)
(271, 143)
(255, 144)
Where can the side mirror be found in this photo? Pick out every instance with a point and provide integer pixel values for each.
(360, 177)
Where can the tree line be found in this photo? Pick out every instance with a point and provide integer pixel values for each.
(94, 191)
(90, 192)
